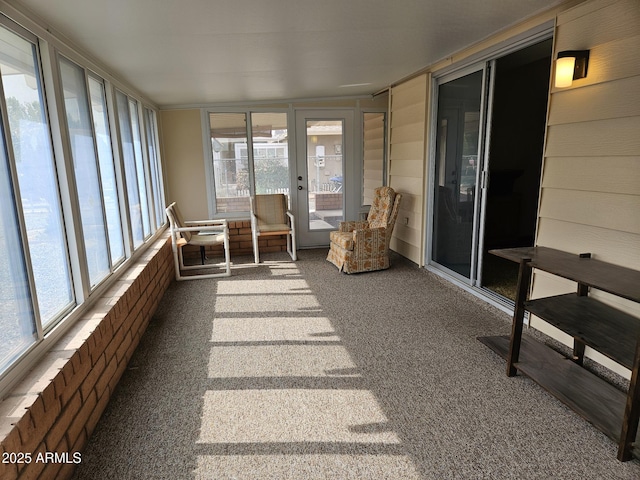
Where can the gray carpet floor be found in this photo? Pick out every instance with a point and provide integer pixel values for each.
(296, 371)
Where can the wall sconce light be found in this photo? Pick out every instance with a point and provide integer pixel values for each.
(571, 65)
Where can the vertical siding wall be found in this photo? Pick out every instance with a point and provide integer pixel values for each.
(590, 198)
(407, 164)
(373, 155)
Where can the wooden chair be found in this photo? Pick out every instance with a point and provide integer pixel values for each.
(203, 234)
(271, 216)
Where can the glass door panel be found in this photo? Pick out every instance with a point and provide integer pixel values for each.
(456, 172)
(325, 145)
(324, 173)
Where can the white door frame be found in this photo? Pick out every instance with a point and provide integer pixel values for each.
(306, 237)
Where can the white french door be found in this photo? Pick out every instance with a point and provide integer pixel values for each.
(325, 167)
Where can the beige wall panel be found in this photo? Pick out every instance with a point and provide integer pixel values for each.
(374, 142)
(183, 158)
(411, 89)
(409, 93)
(590, 184)
(370, 184)
(619, 248)
(407, 127)
(406, 233)
(407, 184)
(407, 133)
(545, 285)
(374, 136)
(405, 249)
(608, 363)
(632, 308)
(411, 203)
(605, 210)
(596, 174)
(373, 155)
(618, 20)
(406, 168)
(611, 61)
(379, 101)
(618, 136)
(550, 330)
(414, 113)
(620, 98)
(408, 213)
(407, 151)
(375, 122)
(583, 9)
(372, 164)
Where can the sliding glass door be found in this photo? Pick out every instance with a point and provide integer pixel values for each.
(486, 165)
(457, 172)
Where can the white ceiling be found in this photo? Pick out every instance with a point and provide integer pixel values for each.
(182, 52)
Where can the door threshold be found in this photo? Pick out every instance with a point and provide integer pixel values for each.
(492, 298)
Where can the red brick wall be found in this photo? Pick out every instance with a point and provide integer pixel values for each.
(57, 406)
(232, 204)
(328, 201)
(240, 242)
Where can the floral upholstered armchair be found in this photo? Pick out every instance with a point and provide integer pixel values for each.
(364, 246)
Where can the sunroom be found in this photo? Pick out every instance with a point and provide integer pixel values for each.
(111, 111)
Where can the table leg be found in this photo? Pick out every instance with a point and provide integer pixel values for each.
(524, 281)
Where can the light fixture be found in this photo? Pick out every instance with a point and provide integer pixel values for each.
(571, 65)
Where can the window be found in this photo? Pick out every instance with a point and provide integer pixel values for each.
(237, 174)
(133, 167)
(230, 170)
(17, 321)
(154, 165)
(270, 152)
(31, 149)
(54, 257)
(141, 173)
(87, 171)
(107, 169)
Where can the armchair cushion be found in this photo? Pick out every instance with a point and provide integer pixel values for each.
(343, 239)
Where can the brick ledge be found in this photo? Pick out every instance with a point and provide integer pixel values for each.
(56, 407)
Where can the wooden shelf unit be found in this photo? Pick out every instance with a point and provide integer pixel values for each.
(608, 330)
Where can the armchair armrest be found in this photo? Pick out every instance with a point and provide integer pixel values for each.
(212, 222)
(204, 228)
(373, 239)
(220, 226)
(292, 220)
